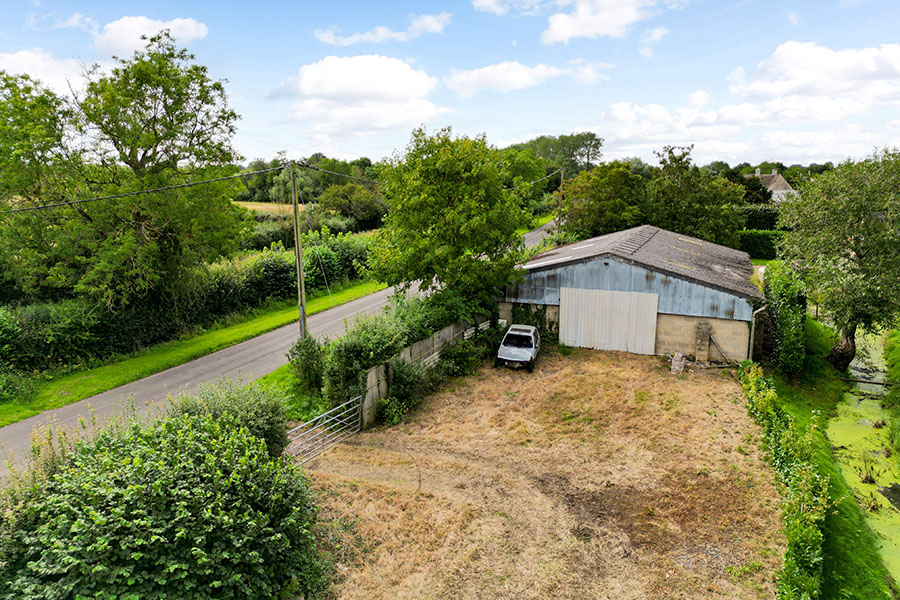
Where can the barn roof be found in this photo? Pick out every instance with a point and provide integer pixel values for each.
(663, 251)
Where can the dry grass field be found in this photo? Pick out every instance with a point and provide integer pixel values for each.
(601, 475)
(272, 208)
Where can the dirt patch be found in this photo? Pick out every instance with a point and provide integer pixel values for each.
(601, 475)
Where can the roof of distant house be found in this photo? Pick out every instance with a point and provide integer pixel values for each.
(774, 181)
(665, 252)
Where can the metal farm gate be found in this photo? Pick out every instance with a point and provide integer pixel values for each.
(310, 439)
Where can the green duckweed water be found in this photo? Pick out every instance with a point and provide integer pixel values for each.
(860, 439)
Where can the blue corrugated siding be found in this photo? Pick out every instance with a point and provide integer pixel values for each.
(676, 296)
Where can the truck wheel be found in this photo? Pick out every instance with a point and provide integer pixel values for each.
(530, 366)
(496, 362)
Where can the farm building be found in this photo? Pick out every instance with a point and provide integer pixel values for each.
(644, 290)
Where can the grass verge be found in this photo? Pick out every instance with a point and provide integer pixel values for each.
(761, 262)
(852, 567)
(77, 386)
(538, 221)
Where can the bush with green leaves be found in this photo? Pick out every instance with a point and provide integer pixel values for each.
(803, 489)
(760, 216)
(461, 357)
(760, 243)
(406, 385)
(74, 332)
(786, 299)
(187, 507)
(14, 387)
(307, 358)
(260, 410)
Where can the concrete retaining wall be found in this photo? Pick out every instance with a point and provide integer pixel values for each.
(426, 352)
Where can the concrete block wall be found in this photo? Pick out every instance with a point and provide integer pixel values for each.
(678, 333)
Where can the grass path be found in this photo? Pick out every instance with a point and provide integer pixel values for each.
(538, 221)
(77, 386)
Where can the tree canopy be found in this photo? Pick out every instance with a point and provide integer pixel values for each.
(576, 152)
(844, 231)
(605, 199)
(451, 224)
(155, 120)
(683, 199)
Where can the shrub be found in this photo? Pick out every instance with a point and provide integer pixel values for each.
(261, 411)
(760, 216)
(188, 507)
(759, 243)
(532, 314)
(307, 357)
(786, 299)
(14, 387)
(804, 490)
(405, 388)
(461, 357)
(269, 231)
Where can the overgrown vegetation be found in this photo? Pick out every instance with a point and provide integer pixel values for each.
(71, 332)
(191, 506)
(804, 490)
(786, 299)
(892, 399)
(851, 565)
(760, 243)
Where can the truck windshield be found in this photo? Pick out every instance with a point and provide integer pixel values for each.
(517, 341)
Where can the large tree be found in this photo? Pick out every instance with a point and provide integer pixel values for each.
(684, 200)
(451, 224)
(844, 233)
(575, 152)
(155, 120)
(605, 199)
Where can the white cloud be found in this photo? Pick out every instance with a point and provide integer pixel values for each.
(596, 18)
(123, 36)
(359, 96)
(502, 7)
(78, 21)
(420, 24)
(803, 80)
(653, 36)
(512, 75)
(56, 74)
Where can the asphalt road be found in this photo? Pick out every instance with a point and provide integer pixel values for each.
(248, 360)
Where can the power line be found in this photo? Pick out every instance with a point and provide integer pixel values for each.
(535, 181)
(320, 169)
(139, 192)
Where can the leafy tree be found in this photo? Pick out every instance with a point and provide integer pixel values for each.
(156, 120)
(639, 167)
(523, 167)
(754, 191)
(451, 223)
(575, 152)
(365, 207)
(606, 199)
(682, 199)
(844, 227)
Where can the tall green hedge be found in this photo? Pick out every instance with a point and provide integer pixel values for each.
(760, 243)
(760, 216)
(52, 335)
(803, 489)
(187, 507)
(786, 299)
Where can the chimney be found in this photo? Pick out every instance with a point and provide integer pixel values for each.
(757, 171)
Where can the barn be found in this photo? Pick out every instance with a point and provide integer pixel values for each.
(644, 290)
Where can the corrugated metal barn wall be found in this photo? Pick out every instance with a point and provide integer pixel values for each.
(676, 296)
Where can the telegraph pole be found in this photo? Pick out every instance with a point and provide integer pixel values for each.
(298, 258)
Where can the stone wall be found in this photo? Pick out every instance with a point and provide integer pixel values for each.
(678, 333)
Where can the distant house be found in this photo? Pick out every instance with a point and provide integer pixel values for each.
(644, 290)
(775, 183)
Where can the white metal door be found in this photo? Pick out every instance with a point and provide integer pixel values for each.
(608, 320)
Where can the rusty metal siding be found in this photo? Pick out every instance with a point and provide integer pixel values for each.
(676, 296)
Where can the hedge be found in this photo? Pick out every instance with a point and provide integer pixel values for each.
(760, 216)
(786, 299)
(803, 489)
(760, 243)
(187, 507)
(54, 335)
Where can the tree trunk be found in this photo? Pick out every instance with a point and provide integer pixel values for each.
(844, 351)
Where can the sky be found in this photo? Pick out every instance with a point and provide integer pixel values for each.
(741, 80)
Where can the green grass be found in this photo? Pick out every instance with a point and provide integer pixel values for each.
(761, 261)
(299, 407)
(536, 222)
(852, 567)
(84, 384)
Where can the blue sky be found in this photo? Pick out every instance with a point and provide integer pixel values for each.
(741, 80)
